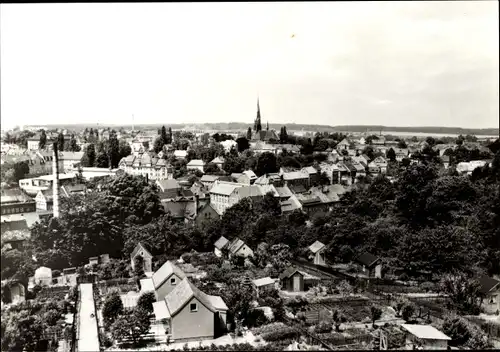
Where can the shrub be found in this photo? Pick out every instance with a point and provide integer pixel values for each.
(463, 333)
(408, 311)
(146, 301)
(113, 307)
(323, 327)
(281, 334)
(105, 340)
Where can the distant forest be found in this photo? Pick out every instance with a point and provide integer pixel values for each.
(296, 127)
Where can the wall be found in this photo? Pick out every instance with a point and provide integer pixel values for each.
(196, 325)
(166, 287)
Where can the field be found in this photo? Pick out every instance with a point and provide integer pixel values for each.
(355, 311)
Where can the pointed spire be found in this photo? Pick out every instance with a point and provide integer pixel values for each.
(257, 125)
(267, 125)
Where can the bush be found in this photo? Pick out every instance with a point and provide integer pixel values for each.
(113, 307)
(281, 334)
(105, 340)
(323, 327)
(463, 333)
(146, 301)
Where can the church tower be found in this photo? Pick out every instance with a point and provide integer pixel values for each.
(257, 125)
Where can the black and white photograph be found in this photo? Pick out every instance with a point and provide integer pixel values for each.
(250, 176)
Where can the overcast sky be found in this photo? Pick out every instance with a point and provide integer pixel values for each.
(395, 63)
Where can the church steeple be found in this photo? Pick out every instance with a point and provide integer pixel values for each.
(267, 126)
(257, 125)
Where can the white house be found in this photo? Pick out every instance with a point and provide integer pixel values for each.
(71, 160)
(318, 252)
(238, 248)
(196, 164)
(425, 337)
(220, 195)
(146, 165)
(219, 161)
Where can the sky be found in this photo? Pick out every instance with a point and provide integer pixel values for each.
(334, 63)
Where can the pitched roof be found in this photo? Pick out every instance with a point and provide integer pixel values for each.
(249, 191)
(168, 184)
(310, 170)
(165, 271)
(263, 281)
(289, 272)
(250, 174)
(30, 218)
(426, 332)
(316, 246)
(487, 284)
(72, 155)
(47, 194)
(290, 204)
(209, 178)
(218, 160)
(284, 192)
(196, 162)
(297, 189)
(367, 259)
(224, 188)
(235, 245)
(221, 242)
(343, 142)
(147, 285)
(184, 292)
(294, 175)
(137, 248)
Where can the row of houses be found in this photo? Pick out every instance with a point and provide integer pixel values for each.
(40, 161)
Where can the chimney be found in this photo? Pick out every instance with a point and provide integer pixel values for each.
(55, 183)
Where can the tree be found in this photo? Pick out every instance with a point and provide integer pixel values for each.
(249, 134)
(402, 144)
(124, 149)
(139, 267)
(73, 146)
(463, 333)
(131, 326)
(60, 142)
(408, 311)
(102, 159)
(158, 145)
(113, 150)
(112, 309)
(164, 136)
(391, 155)
(266, 163)
(463, 291)
(43, 140)
(89, 157)
(242, 144)
(170, 139)
(338, 319)
(376, 313)
(146, 301)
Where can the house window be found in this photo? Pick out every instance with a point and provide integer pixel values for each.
(193, 307)
(172, 281)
